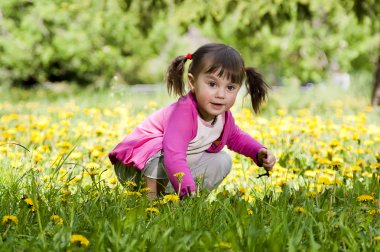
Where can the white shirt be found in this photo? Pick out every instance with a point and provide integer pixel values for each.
(206, 135)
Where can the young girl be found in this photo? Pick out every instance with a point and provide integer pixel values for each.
(184, 140)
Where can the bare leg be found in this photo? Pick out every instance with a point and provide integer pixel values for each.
(156, 186)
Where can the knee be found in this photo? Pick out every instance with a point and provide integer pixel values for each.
(225, 163)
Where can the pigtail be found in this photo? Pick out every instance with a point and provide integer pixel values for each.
(256, 87)
(174, 76)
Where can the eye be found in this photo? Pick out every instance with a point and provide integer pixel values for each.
(212, 84)
(231, 87)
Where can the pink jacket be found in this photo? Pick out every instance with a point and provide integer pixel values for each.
(171, 129)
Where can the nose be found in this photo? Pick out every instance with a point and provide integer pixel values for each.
(220, 93)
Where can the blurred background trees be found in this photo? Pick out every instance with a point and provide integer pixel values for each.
(90, 42)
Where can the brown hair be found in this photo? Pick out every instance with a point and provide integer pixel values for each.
(223, 60)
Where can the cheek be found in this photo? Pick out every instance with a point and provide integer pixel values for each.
(232, 100)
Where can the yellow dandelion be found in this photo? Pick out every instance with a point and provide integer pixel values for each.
(248, 198)
(171, 198)
(282, 112)
(79, 240)
(336, 162)
(310, 173)
(112, 181)
(334, 143)
(243, 190)
(66, 193)
(377, 238)
(77, 178)
(299, 210)
(92, 165)
(374, 211)
(375, 166)
(8, 219)
(144, 190)
(223, 245)
(152, 104)
(311, 194)
(152, 210)
(356, 168)
(92, 173)
(360, 162)
(76, 155)
(29, 202)
(325, 179)
(131, 193)
(179, 175)
(130, 184)
(56, 219)
(249, 211)
(365, 197)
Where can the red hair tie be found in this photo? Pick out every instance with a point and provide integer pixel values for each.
(189, 56)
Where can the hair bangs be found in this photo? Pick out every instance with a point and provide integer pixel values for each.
(226, 64)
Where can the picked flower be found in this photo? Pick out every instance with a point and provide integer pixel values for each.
(179, 176)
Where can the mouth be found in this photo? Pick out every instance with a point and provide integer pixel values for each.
(217, 105)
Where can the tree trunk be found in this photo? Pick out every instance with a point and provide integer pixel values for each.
(376, 85)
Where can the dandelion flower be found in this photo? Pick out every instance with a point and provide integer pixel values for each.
(92, 165)
(249, 211)
(112, 181)
(79, 240)
(299, 210)
(224, 245)
(171, 198)
(144, 190)
(30, 204)
(374, 211)
(334, 143)
(325, 179)
(131, 193)
(152, 210)
(179, 175)
(7, 219)
(56, 219)
(130, 184)
(365, 197)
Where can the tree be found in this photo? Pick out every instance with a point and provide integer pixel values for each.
(296, 37)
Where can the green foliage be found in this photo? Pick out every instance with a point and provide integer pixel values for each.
(92, 41)
(71, 41)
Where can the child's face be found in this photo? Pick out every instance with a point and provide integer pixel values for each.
(214, 94)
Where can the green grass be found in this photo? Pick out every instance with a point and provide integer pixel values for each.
(280, 213)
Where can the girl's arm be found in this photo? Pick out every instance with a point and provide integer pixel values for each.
(241, 142)
(178, 133)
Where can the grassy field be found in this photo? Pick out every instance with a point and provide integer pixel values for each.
(58, 191)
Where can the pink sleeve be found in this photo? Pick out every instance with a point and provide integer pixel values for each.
(178, 133)
(241, 142)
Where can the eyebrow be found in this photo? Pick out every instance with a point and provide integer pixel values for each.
(212, 76)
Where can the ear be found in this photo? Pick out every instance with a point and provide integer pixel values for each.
(191, 81)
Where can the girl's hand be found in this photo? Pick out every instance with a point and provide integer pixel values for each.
(266, 159)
